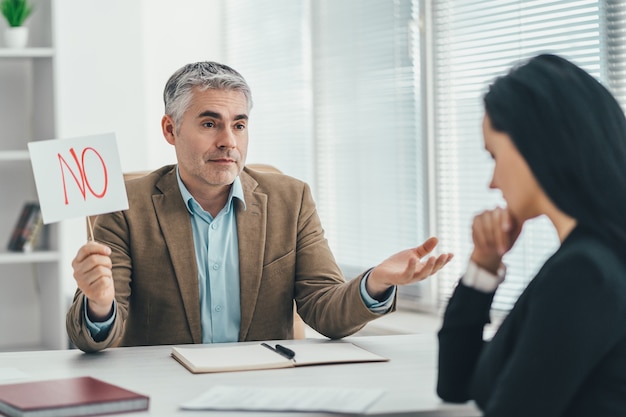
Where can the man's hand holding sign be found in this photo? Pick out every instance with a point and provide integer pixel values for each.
(82, 177)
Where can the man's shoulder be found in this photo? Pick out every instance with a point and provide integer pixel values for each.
(141, 187)
(269, 181)
(146, 180)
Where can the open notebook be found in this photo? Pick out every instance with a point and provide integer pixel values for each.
(246, 357)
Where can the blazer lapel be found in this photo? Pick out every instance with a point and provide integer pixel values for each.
(174, 222)
(251, 227)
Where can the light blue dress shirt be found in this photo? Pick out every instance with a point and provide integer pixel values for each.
(217, 257)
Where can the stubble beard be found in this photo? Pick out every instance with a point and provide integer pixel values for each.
(215, 174)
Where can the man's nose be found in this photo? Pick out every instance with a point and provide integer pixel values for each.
(226, 139)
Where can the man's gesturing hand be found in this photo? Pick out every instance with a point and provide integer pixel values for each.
(406, 267)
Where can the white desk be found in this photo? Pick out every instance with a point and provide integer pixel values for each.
(408, 379)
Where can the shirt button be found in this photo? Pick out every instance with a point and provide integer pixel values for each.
(213, 226)
(218, 308)
(215, 266)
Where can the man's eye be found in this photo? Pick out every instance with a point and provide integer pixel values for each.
(240, 126)
(208, 124)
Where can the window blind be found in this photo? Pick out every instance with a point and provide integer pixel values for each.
(339, 102)
(614, 52)
(475, 41)
(269, 43)
(337, 94)
(369, 150)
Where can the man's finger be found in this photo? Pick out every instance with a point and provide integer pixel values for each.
(89, 249)
(426, 247)
(424, 271)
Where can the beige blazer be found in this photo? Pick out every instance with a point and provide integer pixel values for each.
(283, 256)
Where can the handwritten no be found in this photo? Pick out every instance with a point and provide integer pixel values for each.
(82, 183)
(78, 177)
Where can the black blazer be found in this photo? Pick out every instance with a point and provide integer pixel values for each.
(561, 351)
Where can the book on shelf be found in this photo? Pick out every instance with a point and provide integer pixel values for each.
(35, 232)
(28, 229)
(79, 396)
(257, 356)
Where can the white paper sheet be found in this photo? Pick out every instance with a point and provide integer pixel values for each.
(326, 399)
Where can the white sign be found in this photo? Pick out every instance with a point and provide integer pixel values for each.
(78, 177)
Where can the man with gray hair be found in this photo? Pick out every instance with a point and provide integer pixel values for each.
(211, 251)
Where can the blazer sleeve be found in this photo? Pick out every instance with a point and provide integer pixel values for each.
(461, 341)
(326, 302)
(109, 228)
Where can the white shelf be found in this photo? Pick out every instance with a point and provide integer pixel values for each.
(28, 257)
(14, 155)
(26, 53)
(28, 99)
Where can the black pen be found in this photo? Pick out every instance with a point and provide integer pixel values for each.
(281, 350)
(285, 351)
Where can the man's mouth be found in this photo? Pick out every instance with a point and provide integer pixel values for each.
(222, 160)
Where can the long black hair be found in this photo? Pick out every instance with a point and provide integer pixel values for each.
(572, 133)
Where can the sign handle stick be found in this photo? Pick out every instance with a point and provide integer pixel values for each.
(90, 228)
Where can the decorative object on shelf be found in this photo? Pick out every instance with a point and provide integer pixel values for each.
(16, 12)
(27, 231)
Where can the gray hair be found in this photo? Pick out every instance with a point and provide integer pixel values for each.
(205, 75)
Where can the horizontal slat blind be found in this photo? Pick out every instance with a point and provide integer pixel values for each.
(368, 130)
(615, 51)
(269, 43)
(336, 86)
(475, 41)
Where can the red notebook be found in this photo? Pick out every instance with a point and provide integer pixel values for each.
(80, 396)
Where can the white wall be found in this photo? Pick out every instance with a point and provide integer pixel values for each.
(173, 37)
(112, 61)
(99, 69)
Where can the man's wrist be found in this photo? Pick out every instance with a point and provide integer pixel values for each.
(98, 330)
(98, 313)
(377, 306)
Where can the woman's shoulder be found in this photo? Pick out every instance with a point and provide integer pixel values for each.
(583, 246)
(587, 260)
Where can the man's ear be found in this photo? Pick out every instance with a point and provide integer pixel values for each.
(169, 129)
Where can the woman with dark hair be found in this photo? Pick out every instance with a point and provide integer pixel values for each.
(558, 139)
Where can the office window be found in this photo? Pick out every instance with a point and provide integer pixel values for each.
(369, 152)
(475, 41)
(378, 105)
(336, 87)
(268, 42)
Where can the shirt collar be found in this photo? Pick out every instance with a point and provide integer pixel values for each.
(236, 191)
